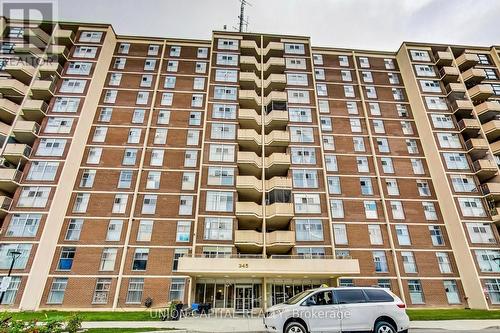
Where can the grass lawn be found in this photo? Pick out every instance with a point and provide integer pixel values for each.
(424, 314)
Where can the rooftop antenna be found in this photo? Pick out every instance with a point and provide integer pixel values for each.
(241, 17)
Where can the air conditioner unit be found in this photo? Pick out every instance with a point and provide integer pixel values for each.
(6, 164)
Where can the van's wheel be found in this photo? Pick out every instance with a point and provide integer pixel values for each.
(295, 327)
(384, 327)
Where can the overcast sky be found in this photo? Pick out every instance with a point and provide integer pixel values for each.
(368, 24)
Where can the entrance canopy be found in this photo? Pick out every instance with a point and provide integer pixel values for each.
(289, 266)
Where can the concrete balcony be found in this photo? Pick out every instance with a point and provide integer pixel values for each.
(491, 190)
(274, 65)
(48, 69)
(443, 58)
(474, 75)
(64, 37)
(20, 70)
(5, 204)
(484, 169)
(249, 48)
(469, 127)
(274, 49)
(43, 89)
(34, 109)
(278, 182)
(250, 64)
(280, 241)
(457, 90)
(277, 164)
(467, 60)
(492, 130)
(4, 129)
(36, 34)
(274, 82)
(487, 110)
(26, 131)
(28, 48)
(449, 74)
(61, 52)
(462, 107)
(249, 118)
(249, 214)
(276, 120)
(279, 214)
(9, 179)
(249, 99)
(277, 138)
(249, 187)
(275, 96)
(249, 163)
(249, 139)
(249, 81)
(17, 153)
(13, 87)
(495, 147)
(480, 92)
(8, 110)
(476, 148)
(291, 267)
(248, 241)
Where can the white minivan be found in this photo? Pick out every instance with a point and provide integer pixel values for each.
(344, 309)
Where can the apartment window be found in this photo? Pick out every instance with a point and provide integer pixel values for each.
(219, 201)
(442, 121)
(423, 188)
(94, 155)
(484, 59)
(153, 180)
(443, 262)
(201, 67)
(202, 52)
(176, 289)
(23, 225)
(298, 96)
(145, 230)
(295, 63)
(33, 197)
(300, 115)
(366, 186)
(340, 234)
(362, 164)
(417, 166)
(183, 231)
(99, 134)
(149, 65)
(358, 143)
(294, 48)
(57, 289)
(393, 78)
(451, 290)
(140, 260)
(221, 153)
(167, 99)
(197, 100)
(364, 62)
(375, 234)
(406, 127)
(146, 80)
(224, 111)
(425, 71)
(108, 258)
(178, 253)
(492, 288)
(307, 203)
(318, 59)
(142, 97)
(346, 75)
(436, 235)
(343, 61)
(308, 230)
(334, 185)
(416, 293)
(378, 126)
(120, 203)
(429, 211)
(319, 74)
(11, 292)
(324, 106)
(403, 234)
(397, 94)
(411, 145)
(163, 117)
(149, 204)
(387, 165)
(349, 91)
(402, 111)
(186, 205)
(110, 96)
(135, 289)
(301, 134)
(120, 63)
(302, 155)
(79, 68)
(134, 135)
(331, 162)
(66, 104)
(227, 59)
(370, 209)
(328, 142)
(124, 48)
(471, 207)
(374, 109)
(432, 86)
(392, 186)
(175, 51)
(305, 178)
(367, 77)
(87, 179)
(199, 83)
(297, 79)
(227, 44)
(397, 210)
(85, 52)
(115, 79)
(355, 125)
(188, 181)
(380, 262)
(66, 258)
(51, 147)
(129, 156)
(153, 49)
(114, 231)
(409, 263)
(228, 93)
(90, 36)
(371, 92)
(220, 176)
(420, 55)
(42, 170)
(190, 158)
(486, 260)
(449, 140)
(160, 137)
(490, 74)
(383, 145)
(218, 228)
(101, 291)
(326, 124)
(480, 233)
(436, 103)
(58, 125)
(172, 66)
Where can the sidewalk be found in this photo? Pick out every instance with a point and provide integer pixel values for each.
(204, 324)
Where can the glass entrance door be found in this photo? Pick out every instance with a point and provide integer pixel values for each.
(243, 299)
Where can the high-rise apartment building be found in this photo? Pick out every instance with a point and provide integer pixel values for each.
(241, 170)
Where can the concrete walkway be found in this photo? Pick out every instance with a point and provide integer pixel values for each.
(206, 324)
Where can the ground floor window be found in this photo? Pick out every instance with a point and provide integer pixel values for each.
(11, 292)
(177, 289)
(241, 296)
(492, 287)
(279, 292)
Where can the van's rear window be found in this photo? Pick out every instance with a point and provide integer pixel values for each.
(375, 295)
